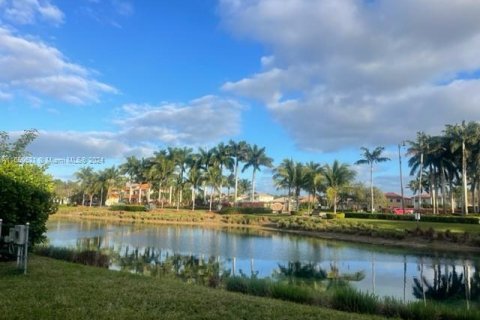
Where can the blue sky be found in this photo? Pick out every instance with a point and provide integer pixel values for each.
(307, 79)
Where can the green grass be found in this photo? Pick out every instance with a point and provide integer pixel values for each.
(61, 290)
(402, 225)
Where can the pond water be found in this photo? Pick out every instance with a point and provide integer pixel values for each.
(383, 271)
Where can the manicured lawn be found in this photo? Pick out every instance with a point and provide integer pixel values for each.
(60, 290)
(402, 225)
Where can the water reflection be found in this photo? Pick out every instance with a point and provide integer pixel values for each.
(187, 250)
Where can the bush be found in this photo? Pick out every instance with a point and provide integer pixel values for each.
(410, 217)
(86, 257)
(26, 195)
(127, 207)
(340, 215)
(246, 210)
(331, 215)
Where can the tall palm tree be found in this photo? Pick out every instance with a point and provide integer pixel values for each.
(180, 156)
(314, 179)
(207, 158)
(131, 168)
(195, 175)
(112, 179)
(86, 179)
(244, 186)
(223, 158)
(256, 158)
(370, 158)
(238, 151)
(214, 178)
(337, 176)
(284, 177)
(161, 171)
(460, 136)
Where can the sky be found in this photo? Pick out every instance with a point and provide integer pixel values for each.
(311, 80)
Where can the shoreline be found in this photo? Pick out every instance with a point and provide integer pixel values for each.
(414, 243)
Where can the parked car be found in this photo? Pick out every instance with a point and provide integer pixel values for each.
(402, 211)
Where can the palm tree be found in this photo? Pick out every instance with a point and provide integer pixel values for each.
(111, 178)
(256, 158)
(460, 136)
(180, 157)
(370, 158)
(244, 186)
(314, 179)
(214, 178)
(195, 175)
(161, 171)
(207, 158)
(223, 158)
(237, 150)
(131, 168)
(337, 176)
(284, 177)
(86, 178)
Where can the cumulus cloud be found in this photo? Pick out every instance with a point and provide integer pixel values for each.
(29, 11)
(142, 129)
(350, 73)
(40, 69)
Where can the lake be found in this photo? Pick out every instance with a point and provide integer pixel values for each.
(384, 271)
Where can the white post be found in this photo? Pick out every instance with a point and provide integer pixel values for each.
(25, 255)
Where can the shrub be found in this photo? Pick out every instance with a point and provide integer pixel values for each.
(86, 257)
(26, 195)
(409, 217)
(127, 207)
(289, 292)
(331, 215)
(340, 215)
(246, 210)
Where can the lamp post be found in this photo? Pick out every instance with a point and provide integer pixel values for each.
(401, 176)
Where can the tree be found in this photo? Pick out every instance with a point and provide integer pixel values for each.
(86, 177)
(238, 150)
(161, 171)
(337, 176)
(132, 169)
(27, 192)
(214, 178)
(18, 148)
(244, 186)
(370, 158)
(460, 136)
(195, 175)
(256, 158)
(222, 156)
(284, 177)
(180, 156)
(314, 179)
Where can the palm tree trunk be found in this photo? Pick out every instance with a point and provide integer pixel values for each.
(204, 193)
(130, 193)
(252, 198)
(221, 181)
(193, 198)
(83, 199)
(211, 198)
(464, 178)
(335, 202)
(289, 195)
(371, 188)
(170, 195)
(444, 198)
(236, 181)
(452, 199)
(91, 199)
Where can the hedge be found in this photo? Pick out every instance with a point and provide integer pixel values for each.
(246, 210)
(126, 207)
(411, 217)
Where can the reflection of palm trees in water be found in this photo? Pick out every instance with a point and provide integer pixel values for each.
(448, 284)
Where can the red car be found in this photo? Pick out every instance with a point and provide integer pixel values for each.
(401, 211)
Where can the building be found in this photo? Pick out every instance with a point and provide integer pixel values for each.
(394, 200)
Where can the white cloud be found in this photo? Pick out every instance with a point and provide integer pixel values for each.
(205, 119)
(29, 11)
(143, 129)
(352, 73)
(40, 69)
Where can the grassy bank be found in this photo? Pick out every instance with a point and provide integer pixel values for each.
(61, 290)
(442, 236)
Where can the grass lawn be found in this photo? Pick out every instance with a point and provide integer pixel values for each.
(61, 290)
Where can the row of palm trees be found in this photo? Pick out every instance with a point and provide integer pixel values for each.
(442, 164)
(446, 163)
(179, 169)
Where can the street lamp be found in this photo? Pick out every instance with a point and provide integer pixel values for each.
(401, 177)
